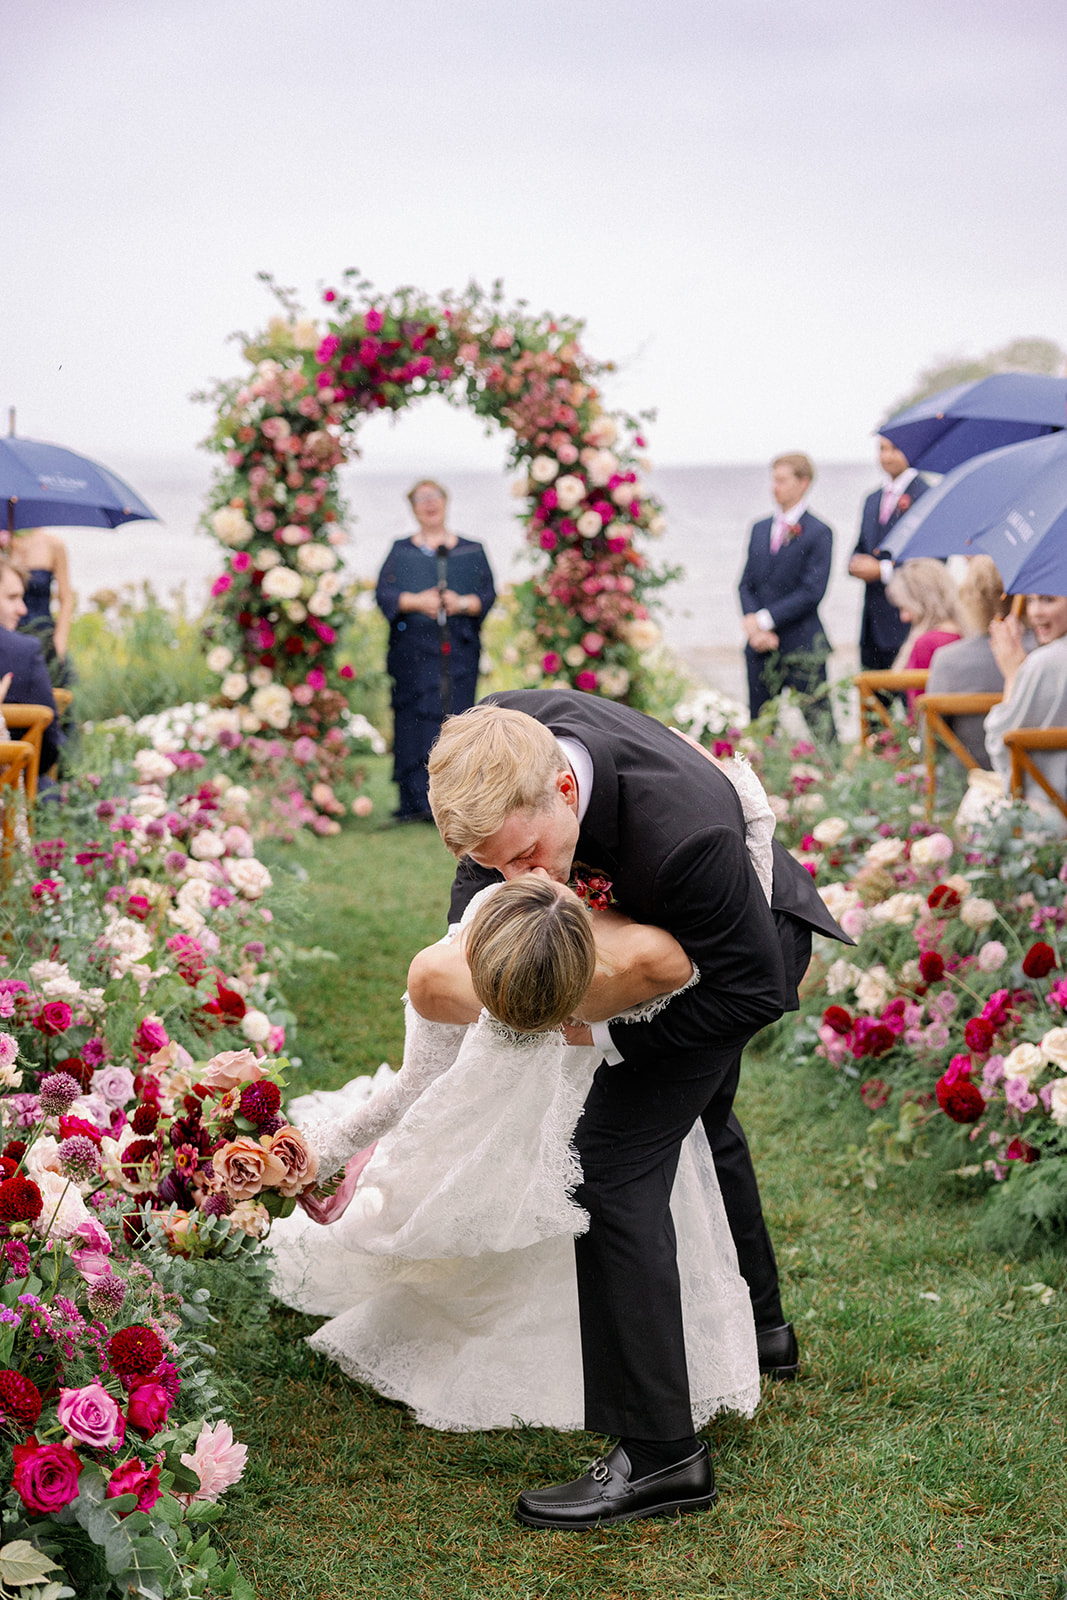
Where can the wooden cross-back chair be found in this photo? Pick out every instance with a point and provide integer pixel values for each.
(875, 715)
(934, 709)
(1021, 741)
(16, 755)
(29, 722)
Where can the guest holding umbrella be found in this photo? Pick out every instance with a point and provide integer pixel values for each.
(435, 590)
(1035, 692)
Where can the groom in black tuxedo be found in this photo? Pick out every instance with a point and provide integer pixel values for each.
(625, 796)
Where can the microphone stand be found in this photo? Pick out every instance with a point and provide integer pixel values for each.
(441, 553)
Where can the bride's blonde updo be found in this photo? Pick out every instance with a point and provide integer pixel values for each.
(531, 954)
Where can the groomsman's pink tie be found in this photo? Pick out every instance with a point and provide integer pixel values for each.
(885, 510)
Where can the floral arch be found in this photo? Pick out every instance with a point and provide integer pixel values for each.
(288, 425)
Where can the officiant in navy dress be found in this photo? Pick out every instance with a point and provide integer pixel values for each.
(435, 590)
(881, 632)
(785, 577)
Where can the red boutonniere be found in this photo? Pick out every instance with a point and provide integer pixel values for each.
(591, 886)
(793, 530)
(903, 503)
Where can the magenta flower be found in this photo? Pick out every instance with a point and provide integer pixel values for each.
(222, 583)
(240, 561)
(347, 671)
(551, 661)
(316, 678)
(91, 1416)
(586, 681)
(373, 321)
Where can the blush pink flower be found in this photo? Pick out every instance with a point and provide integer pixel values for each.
(231, 1067)
(91, 1416)
(217, 1460)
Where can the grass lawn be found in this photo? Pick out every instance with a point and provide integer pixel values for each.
(921, 1454)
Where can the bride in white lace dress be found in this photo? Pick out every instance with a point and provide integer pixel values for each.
(449, 1281)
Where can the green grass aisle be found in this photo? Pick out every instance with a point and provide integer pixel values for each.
(922, 1454)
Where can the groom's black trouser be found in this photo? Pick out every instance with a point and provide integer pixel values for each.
(628, 1139)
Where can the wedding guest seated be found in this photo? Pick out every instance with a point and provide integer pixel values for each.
(1035, 693)
(925, 595)
(23, 657)
(969, 667)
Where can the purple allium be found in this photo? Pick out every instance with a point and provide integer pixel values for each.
(57, 1093)
(79, 1158)
(217, 1205)
(106, 1295)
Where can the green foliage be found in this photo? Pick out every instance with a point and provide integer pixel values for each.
(134, 656)
(1018, 355)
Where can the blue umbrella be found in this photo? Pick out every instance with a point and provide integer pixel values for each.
(939, 433)
(46, 486)
(1010, 504)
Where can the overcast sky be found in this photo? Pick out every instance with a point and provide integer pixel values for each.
(770, 214)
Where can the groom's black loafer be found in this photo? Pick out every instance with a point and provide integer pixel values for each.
(606, 1494)
(778, 1353)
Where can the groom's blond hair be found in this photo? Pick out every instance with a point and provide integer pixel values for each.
(488, 763)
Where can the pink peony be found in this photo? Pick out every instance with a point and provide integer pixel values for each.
(133, 1478)
(91, 1416)
(218, 1462)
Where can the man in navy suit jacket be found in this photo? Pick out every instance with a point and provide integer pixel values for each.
(881, 632)
(22, 656)
(785, 577)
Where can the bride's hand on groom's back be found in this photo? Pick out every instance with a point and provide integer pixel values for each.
(577, 1032)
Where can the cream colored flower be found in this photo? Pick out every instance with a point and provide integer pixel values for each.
(570, 491)
(281, 583)
(872, 989)
(830, 831)
(259, 677)
(206, 846)
(148, 805)
(884, 852)
(305, 333)
(910, 974)
(316, 558)
(614, 681)
(842, 976)
(219, 659)
(1057, 1101)
(255, 1025)
(1054, 1047)
(153, 767)
(589, 524)
(641, 634)
(273, 705)
(976, 913)
(234, 685)
(838, 897)
(266, 558)
(1025, 1061)
(247, 875)
(295, 610)
(231, 526)
(574, 655)
(900, 910)
(603, 431)
(543, 469)
(932, 851)
(600, 465)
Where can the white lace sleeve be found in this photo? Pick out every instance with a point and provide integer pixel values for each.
(652, 1008)
(429, 1050)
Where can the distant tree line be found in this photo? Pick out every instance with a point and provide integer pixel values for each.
(1018, 355)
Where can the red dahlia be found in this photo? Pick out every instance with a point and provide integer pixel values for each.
(15, 1149)
(979, 1035)
(943, 899)
(932, 966)
(136, 1350)
(145, 1119)
(259, 1101)
(20, 1402)
(961, 1101)
(1039, 960)
(20, 1199)
(837, 1017)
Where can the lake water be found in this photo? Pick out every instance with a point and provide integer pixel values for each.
(708, 508)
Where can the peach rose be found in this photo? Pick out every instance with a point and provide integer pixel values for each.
(245, 1166)
(289, 1146)
(231, 1067)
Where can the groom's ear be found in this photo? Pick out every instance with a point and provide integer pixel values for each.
(567, 786)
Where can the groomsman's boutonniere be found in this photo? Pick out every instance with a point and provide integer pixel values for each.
(592, 887)
(903, 503)
(793, 530)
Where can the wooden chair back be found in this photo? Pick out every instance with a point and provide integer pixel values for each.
(1021, 741)
(16, 756)
(933, 709)
(63, 699)
(874, 713)
(29, 722)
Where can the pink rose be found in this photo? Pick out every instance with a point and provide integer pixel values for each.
(46, 1475)
(240, 561)
(231, 1067)
(551, 661)
(316, 678)
(151, 1036)
(245, 1166)
(223, 582)
(586, 681)
(373, 321)
(91, 1416)
(147, 1407)
(132, 1478)
(301, 1163)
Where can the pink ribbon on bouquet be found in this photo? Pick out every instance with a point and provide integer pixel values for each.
(335, 1205)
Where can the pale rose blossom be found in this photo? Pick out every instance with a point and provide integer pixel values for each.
(245, 1166)
(830, 831)
(884, 852)
(148, 805)
(1025, 1061)
(219, 659)
(932, 851)
(259, 677)
(63, 1212)
(316, 558)
(251, 1217)
(255, 1025)
(809, 805)
(992, 956)
(842, 976)
(839, 898)
(114, 1083)
(238, 841)
(282, 583)
(248, 877)
(854, 921)
(301, 1163)
(1057, 1101)
(206, 846)
(780, 806)
(362, 805)
(266, 558)
(872, 989)
(641, 634)
(229, 1068)
(153, 767)
(216, 1459)
(589, 524)
(1054, 1047)
(570, 491)
(910, 974)
(91, 1416)
(273, 704)
(600, 465)
(234, 685)
(231, 526)
(977, 913)
(603, 431)
(9, 1050)
(900, 910)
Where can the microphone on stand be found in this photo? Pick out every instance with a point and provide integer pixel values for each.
(441, 553)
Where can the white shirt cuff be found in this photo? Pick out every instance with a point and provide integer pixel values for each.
(765, 620)
(602, 1039)
(885, 570)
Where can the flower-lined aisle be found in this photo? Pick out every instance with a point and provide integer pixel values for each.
(144, 1152)
(948, 1019)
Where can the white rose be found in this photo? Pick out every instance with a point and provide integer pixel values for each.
(977, 913)
(195, 893)
(657, 525)
(614, 681)
(266, 558)
(872, 989)
(273, 704)
(295, 610)
(625, 492)
(811, 804)
(281, 583)
(255, 1025)
(574, 655)
(830, 831)
(187, 918)
(600, 465)
(329, 583)
(589, 524)
(316, 558)
(640, 634)
(206, 846)
(543, 469)
(779, 805)
(1025, 1060)
(234, 685)
(900, 909)
(992, 956)
(153, 767)
(248, 877)
(1054, 1046)
(910, 974)
(219, 659)
(224, 720)
(63, 1211)
(932, 851)
(259, 677)
(884, 852)
(231, 526)
(603, 431)
(320, 604)
(839, 898)
(305, 333)
(570, 491)
(1057, 1101)
(842, 976)
(148, 805)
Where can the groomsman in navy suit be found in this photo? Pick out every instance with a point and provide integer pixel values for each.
(785, 577)
(881, 632)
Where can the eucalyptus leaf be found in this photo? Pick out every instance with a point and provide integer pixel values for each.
(21, 1562)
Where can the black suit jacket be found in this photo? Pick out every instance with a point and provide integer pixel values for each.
(881, 628)
(789, 582)
(667, 829)
(23, 657)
